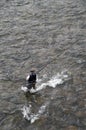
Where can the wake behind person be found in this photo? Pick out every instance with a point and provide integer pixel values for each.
(31, 79)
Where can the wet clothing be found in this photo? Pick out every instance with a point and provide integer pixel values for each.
(31, 81)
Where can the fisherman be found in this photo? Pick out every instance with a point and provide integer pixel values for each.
(31, 79)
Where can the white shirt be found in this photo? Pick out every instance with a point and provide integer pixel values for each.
(27, 77)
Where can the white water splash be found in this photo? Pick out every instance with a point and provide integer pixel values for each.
(58, 79)
(23, 88)
(53, 82)
(26, 111)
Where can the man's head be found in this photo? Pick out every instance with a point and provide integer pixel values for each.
(32, 70)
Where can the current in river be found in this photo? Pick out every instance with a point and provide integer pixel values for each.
(49, 35)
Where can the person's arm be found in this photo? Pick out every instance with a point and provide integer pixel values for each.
(27, 78)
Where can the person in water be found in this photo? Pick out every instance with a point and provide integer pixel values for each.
(31, 79)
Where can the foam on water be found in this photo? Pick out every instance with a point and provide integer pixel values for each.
(58, 79)
(23, 88)
(27, 114)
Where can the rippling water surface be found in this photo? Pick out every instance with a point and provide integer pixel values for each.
(49, 35)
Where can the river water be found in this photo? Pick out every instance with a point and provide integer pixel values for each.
(49, 35)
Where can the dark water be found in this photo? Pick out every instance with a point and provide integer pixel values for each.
(49, 35)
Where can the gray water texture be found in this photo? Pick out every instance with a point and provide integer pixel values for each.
(49, 35)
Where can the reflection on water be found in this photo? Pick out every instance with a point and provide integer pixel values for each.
(49, 35)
